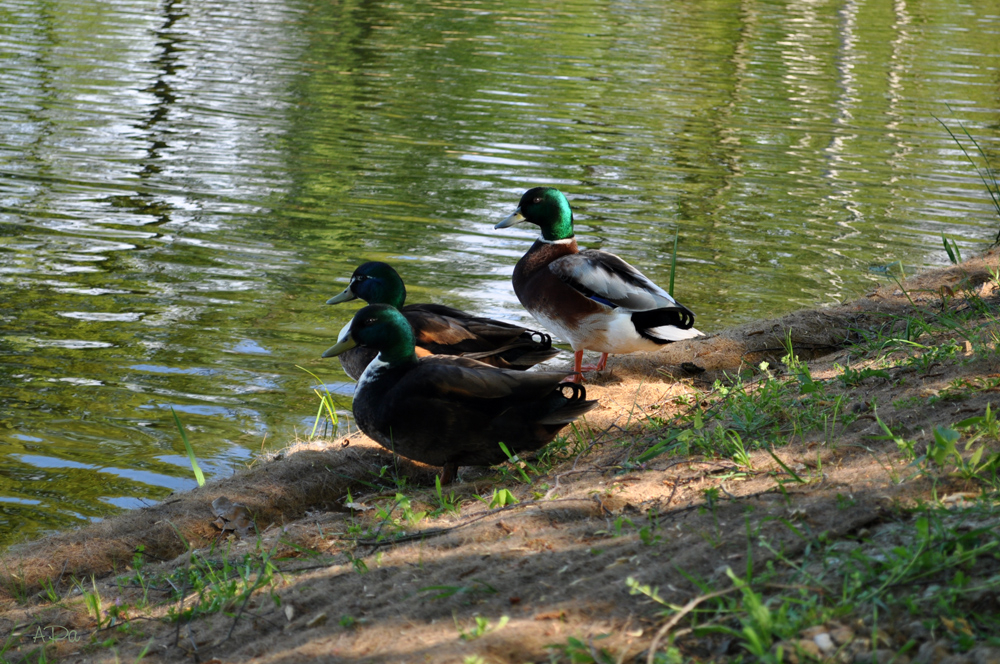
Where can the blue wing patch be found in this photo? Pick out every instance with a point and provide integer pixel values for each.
(598, 298)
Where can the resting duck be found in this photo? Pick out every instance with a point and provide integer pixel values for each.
(450, 411)
(442, 330)
(592, 299)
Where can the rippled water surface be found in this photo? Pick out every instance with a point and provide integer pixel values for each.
(183, 184)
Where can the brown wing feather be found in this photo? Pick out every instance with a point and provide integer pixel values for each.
(446, 331)
(462, 377)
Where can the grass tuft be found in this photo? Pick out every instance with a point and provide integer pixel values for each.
(325, 404)
(985, 174)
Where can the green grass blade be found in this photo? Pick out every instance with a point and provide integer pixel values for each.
(328, 402)
(673, 265)
(325, 401)
(993, 188)
(319, 415)
(318, 379)
(198, 475)
(660, 447)
(786, 468)
(947, 248)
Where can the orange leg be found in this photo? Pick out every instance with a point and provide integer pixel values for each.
(577, 376)
(602, 362)
(578, 367)
(449, 472)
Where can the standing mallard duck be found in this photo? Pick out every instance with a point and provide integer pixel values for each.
(592, 299)
(442, 330)
(450, 411)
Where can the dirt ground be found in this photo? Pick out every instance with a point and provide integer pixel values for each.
(364, 579)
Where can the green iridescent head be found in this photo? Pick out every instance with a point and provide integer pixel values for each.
(546, 208)
(375, 283)
(381, 327)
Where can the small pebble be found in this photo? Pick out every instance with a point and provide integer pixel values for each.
(917, 631)
(882, 638)
(811, 632)
(797, 652)
(881, 656)
(985, 655)
(316, 620)
(957, 659)
(842, 635)
(824, 642)
(932, 652)
(788, 653)
(809, 648)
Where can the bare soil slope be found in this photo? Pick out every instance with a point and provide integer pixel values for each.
(776, 475)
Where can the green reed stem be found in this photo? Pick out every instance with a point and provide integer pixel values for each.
(198, 475)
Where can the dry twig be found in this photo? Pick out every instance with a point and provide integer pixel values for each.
(677, 617)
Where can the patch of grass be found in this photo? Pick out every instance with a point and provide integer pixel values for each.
(671, 442)
(359, 564)
(408, 516)
(15, 585)
(519, 467)
(982, 426)
(49, 590)
(928, 356)
(139, 576)
(445, 502)
(978, 464)
(388, 518)
(854, 377)
(477, 587)
(480, 627)
(932, 564)
(326, 404)
(618, 527)
(213, 585)
(578, 651)
(92, 600)
(954, 255)
(499, 498)
(560, 449)
(907, 447)
(738, 416)
(963, 388)
(648, 534)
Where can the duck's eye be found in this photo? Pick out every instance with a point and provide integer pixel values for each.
(360, 277)
(371, 321)
(537, 200)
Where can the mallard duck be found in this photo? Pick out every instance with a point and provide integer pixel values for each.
(592, 299)
(450, 411)
(442, 330)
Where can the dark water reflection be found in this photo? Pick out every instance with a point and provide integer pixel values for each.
(183, 184)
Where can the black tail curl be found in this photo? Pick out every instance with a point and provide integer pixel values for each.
(577, 392)
(540, 338)
(679, 317)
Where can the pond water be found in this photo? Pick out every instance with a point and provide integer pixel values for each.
(183, 185)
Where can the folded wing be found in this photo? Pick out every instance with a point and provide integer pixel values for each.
(608, 279)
